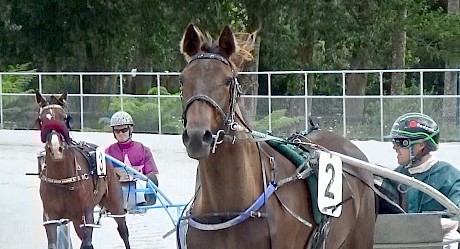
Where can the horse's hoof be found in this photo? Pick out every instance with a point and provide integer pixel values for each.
(87, 247)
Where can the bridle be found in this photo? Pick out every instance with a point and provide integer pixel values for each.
(235, 93)
(52, 125)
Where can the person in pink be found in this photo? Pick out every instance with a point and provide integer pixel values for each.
(132, 153)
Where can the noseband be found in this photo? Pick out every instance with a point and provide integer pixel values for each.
(235, 93)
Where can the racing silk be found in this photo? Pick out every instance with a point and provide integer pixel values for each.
(134, 154)
(440, 175)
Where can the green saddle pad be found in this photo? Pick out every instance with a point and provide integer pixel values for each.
(300, 158)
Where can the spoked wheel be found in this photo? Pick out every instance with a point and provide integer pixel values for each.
(63, 235)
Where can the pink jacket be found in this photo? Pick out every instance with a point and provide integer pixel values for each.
(135, 154)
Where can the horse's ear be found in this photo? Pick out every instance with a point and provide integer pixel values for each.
(40, 100)
(63, 98)
(227, 42)
(191, 41)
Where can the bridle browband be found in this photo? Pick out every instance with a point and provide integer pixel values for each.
(235, 93)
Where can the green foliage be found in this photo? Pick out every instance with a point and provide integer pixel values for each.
(118, 35)
(15, 83)
(145, 112)
(281, 123)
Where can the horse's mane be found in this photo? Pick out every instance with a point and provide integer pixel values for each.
(245, 44)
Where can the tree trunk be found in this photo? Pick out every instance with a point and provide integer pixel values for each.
(140, 84)
(305, 55)
(449, 105)
(250, 85)
(355, 85)
(93, 84)
(398, 58)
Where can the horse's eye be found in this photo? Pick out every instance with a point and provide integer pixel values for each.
(228, 81)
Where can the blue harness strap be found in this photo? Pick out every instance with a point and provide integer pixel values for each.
(240, 218)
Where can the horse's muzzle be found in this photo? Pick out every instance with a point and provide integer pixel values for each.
(197, 142)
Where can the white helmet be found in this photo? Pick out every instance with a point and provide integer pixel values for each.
(121, 118)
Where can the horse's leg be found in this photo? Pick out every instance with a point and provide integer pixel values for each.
(85, 233)
(113, 202)
(51, 234)
(123, 230)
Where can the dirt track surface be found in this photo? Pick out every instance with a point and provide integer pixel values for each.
(21, 209)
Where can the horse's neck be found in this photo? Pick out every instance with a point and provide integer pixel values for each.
(231, 179)
(62, 168)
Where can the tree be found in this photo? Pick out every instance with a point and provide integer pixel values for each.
(450, 78)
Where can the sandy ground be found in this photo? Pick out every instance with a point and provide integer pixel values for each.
(21, 205)
(21, 209)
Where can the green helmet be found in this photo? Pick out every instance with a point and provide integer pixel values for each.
(416, 128)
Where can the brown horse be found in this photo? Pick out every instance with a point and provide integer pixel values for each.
(69, 187)
(233, 209)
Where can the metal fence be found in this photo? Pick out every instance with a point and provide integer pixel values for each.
(157, 108)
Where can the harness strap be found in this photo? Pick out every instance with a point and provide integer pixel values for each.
(302, 220)
(251, 211)
(300, 173)
(207, 100)
(66, 180)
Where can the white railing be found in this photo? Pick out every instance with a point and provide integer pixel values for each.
(305, 96)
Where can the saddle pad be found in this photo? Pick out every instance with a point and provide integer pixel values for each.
(88, 151)
(298, 156)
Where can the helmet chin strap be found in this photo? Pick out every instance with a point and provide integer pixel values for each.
(414, 158)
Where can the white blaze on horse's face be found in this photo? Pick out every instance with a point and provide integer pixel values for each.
(55, 147)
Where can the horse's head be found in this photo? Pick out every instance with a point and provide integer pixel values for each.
(210, 89)
(53, 124)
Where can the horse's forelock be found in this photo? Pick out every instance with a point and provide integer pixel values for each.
(245, 44)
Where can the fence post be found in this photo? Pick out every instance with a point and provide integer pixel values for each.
(159, 103)
(269, 94)
(381, 105)
(121, 92)
(306, 99)
(81, 102)
(421, 91)
(344, 113)
(1, 101)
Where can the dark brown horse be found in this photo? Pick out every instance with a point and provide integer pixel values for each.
(69, 187)
(235, 207)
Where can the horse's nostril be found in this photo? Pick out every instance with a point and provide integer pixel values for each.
(185, 137)
(60, 149)
(207, 137)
